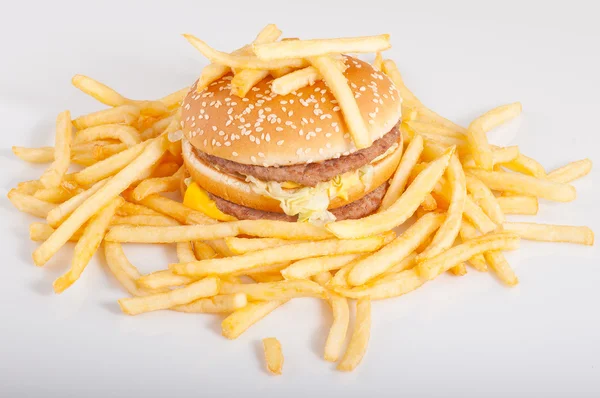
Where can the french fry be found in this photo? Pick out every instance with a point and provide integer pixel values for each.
(87, 245)
(378, 62)
(433, 129)
(322, 278)
(431, 268)
(360, 336)
(109, 166)
(525, 185)
(226, 303)
(551, 233)
(513, 204)
(158, 185)
(400, 179)
(571, 172)
(220, 266)
(468, 232)
(185, 253)
(99, 91)
(125, 273)
(377, 263)
(476, 133)
(314, 48)
(245, 80)
(29, 204)
(203, 251)
(99, 199)
(280, 290)
(175, 99)
(144, 220)
(39, 232)
(239, 321)
(173, 209)
(34, 155)
(58, 214)
(339, 328)
(246, 245)
(239, 61)
(526, 165)
(308, 267)
(133, 209)
(500, 266)
(62, 151)
(150, 108)
(273, 355)
(446, 234)
(401, 210)
(124, 114)
(392, 285)
(485, 198)
(186, 233)
(338, 84)
(162, 279)
(300, 78)
(126, 134)
(160, 301)
(57, 195)
(157, 128)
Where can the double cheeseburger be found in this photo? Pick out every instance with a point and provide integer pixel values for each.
(289, 157)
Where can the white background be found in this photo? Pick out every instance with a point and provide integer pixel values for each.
(468, 337)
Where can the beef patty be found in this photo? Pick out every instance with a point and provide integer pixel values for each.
(307, 174)
(354, 210)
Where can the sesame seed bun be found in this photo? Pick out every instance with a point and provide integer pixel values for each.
(278, 130)
(237, 190)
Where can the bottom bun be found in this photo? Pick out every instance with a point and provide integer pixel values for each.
(238, 191)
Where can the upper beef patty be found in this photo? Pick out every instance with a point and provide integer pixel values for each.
(307, 174)
(354, 210)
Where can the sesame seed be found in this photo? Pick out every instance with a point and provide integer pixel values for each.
(234, 153)
(253, 159)
(280, 142)
(328, 145)
(328, 135)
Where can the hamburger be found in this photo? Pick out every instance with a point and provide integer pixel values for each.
(289, 157)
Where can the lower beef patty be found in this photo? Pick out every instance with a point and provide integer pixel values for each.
(307, 174)
(357, 209)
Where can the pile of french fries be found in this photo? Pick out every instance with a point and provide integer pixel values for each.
(452, 186)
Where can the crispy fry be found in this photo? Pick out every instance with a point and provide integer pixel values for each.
(392, 285)
(186, 233)
(160, 301)
(468, 232)
(62, 151)
(126, 134)
(400, 179)
(39, 232)
(124, 114)
(571, 172)
(300, 78)
(485, 198)
(162, 279)
(431, 268)
(87, 245)
(226, 303)
(338, 84)
(144, 220)
(281, 290)
(501, 267)
(29, 204)
(476, 133)
(551, 233)
(174, 100)
(246, 245)
(308, 267)
(360, 336)
(158, 185)
(339, 328)
(377, 263)
(513, 204)
(430, 129)
(99, 199)
(273, 355)
(173, 209)
(525, 185)
(185, 253)
(203, 251)
(313, 48)
(57, 194)
(245, 80)
(239, 321)
(99, 91)
(526, 165)
(133, 209)
(401, 210)
(57, 215)
(274, 255)
(378, 62)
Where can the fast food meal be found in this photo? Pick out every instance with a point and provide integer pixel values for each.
(296, 163)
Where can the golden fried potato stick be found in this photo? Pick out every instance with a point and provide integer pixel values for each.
(525, 185)
(476, 133)
(526, 165)
(246, 245)
(175, 99)
(98, 200)
(571, 172)
(62, 151)
(57, 215)
(99, 91)
(431, 268)
(401, 210)
(551, 233)
(239, 321)
(29, 204)
(376, 263)
(280, 290)
(399, 180)
(303, 269)
(392, 285)
(124, 114)
(318, 47)
(273, 355)
(468, 232)
(206, 287)
(88, 244)
(515, 204)
(338, 84)
(221, 266)
(485, 198)
(498, 263)
(360, 336)
(339, 327)
(120, 132)
(225, 303)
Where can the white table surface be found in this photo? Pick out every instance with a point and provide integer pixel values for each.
(468, 337)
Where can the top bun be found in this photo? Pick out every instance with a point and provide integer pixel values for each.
(304, 126)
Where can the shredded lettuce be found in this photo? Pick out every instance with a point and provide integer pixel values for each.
(310, 203)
